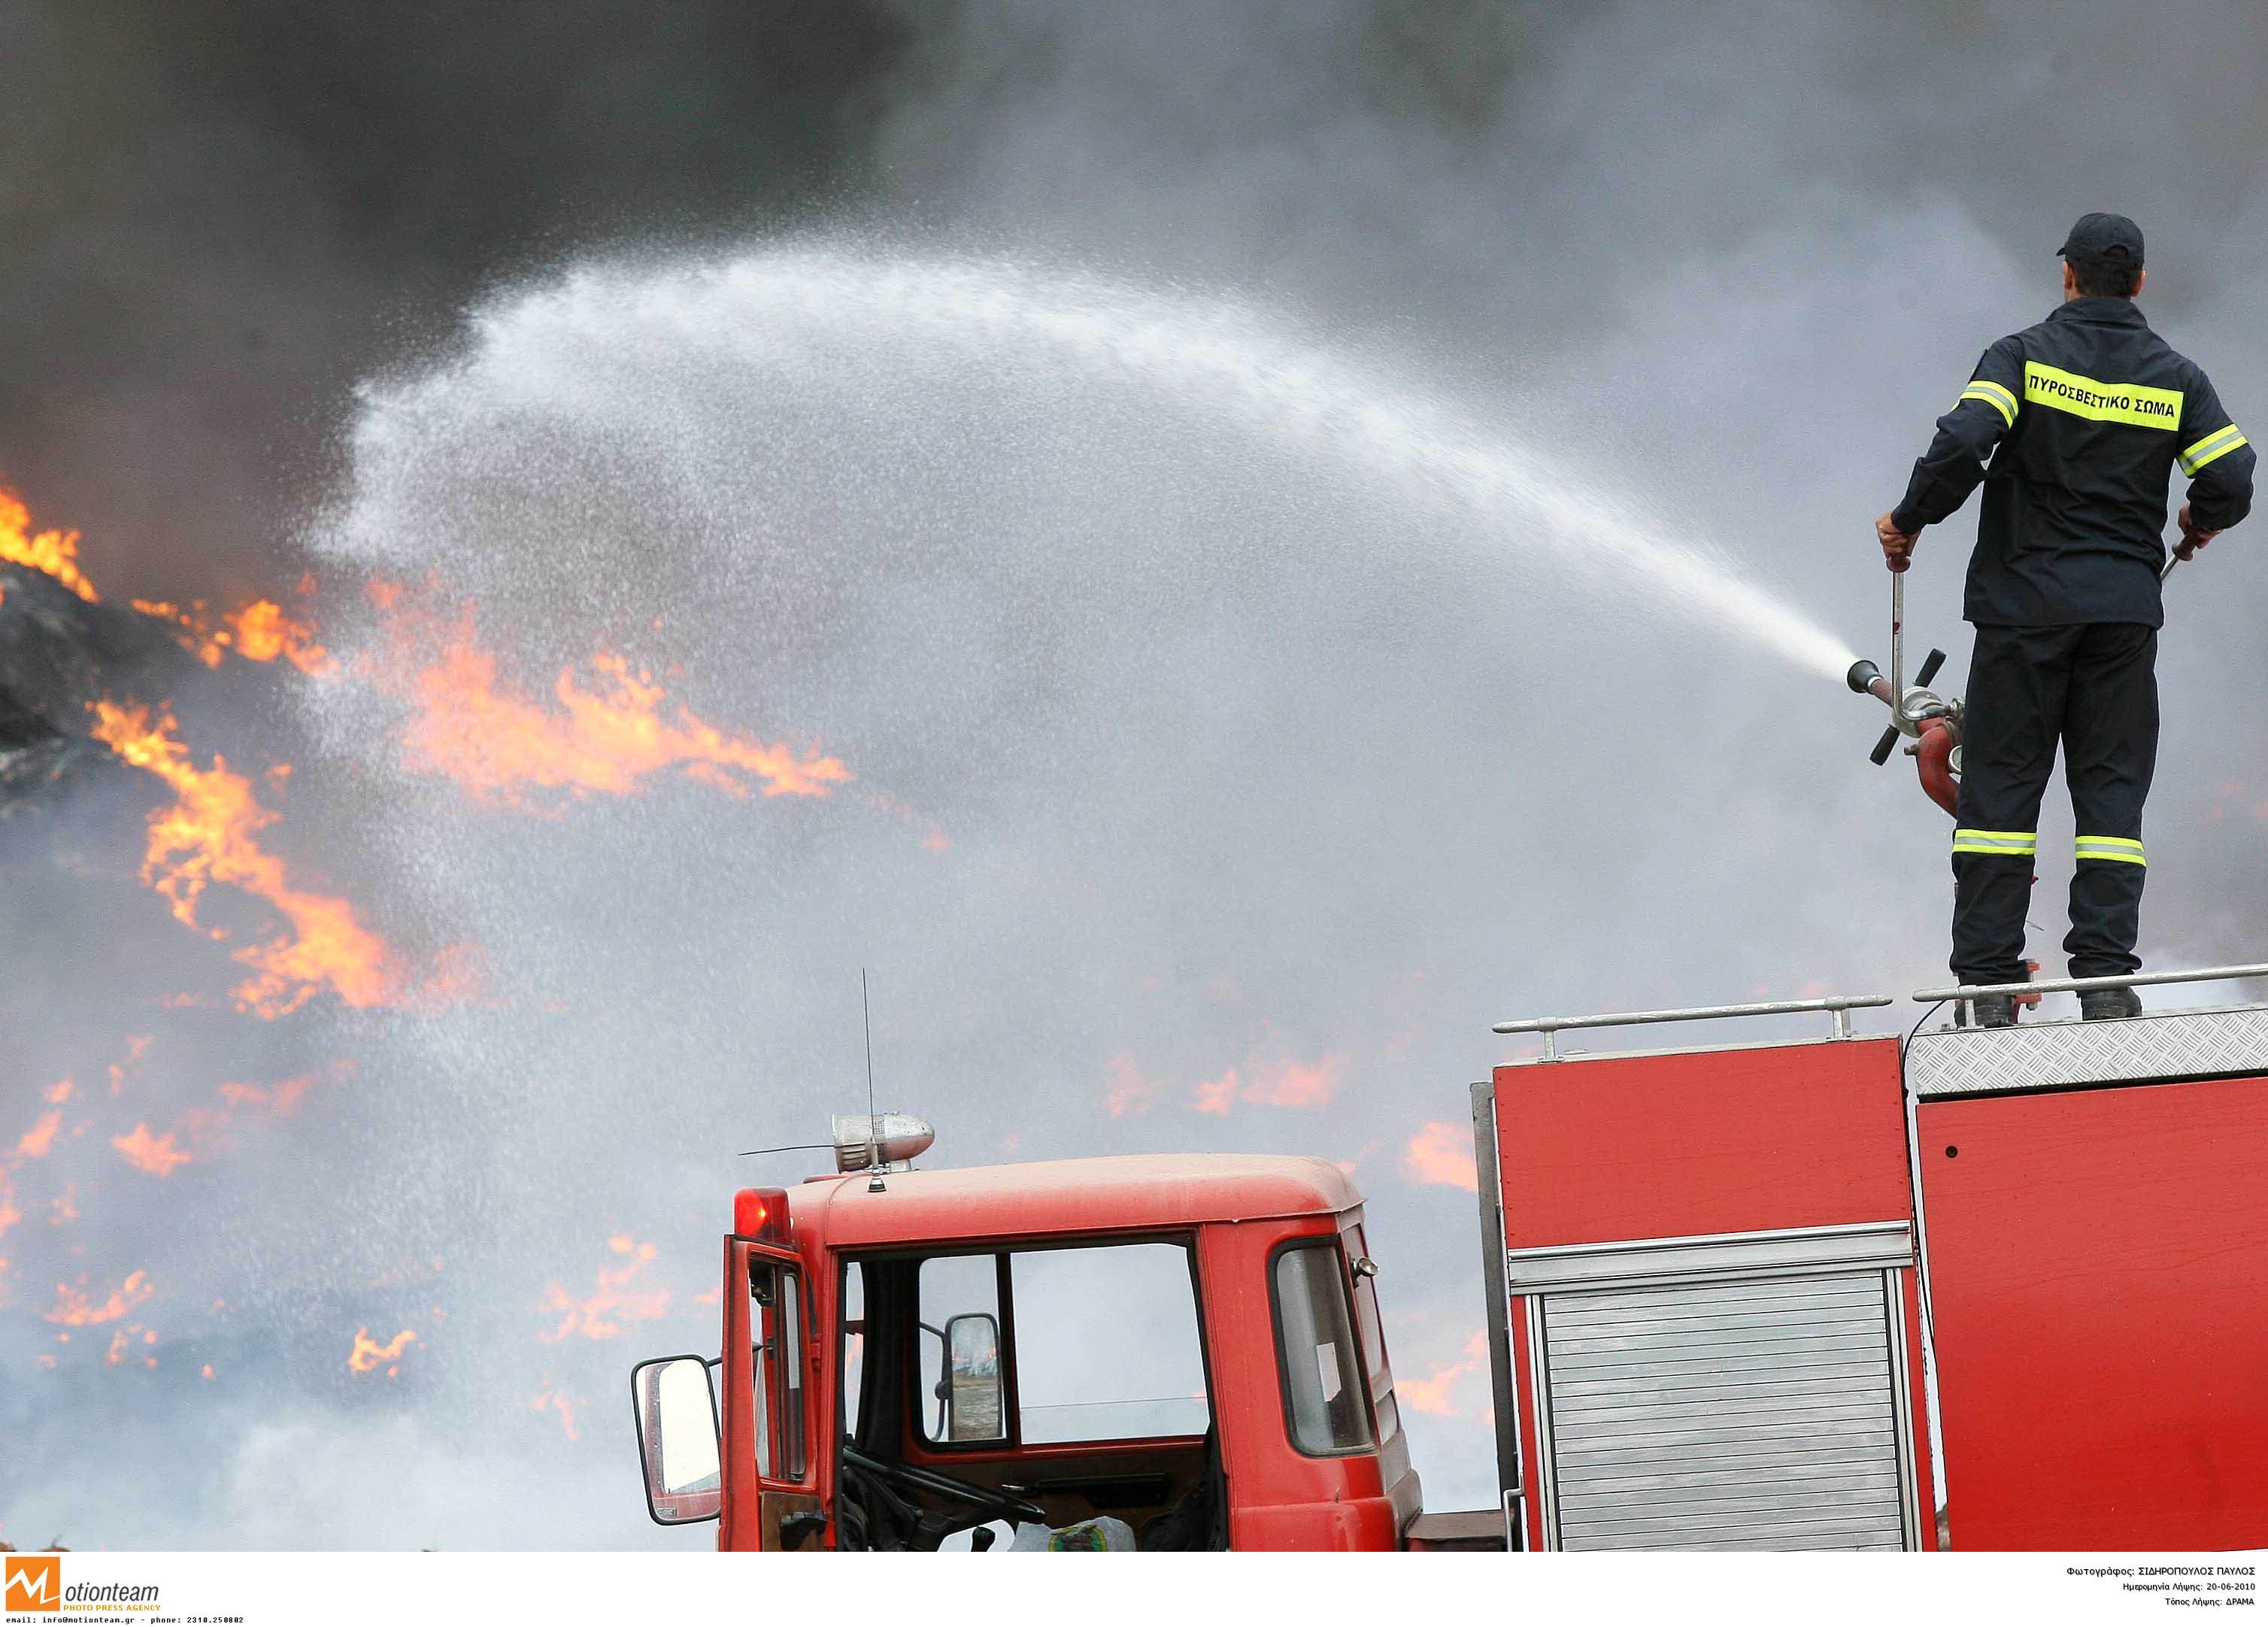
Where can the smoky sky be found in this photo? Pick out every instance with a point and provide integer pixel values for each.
(218, 218)
(1245, 761)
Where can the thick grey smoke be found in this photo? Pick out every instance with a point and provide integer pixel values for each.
(218, 218)
(1245, 761)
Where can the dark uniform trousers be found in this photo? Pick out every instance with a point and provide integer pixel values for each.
(2095, 687)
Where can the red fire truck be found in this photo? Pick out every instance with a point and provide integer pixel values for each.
(1713, 1274)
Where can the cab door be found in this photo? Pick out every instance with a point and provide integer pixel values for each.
(770, 1429)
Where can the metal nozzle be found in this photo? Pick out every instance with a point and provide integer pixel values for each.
(1866, 678)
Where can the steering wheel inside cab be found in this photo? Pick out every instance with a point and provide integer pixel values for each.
(896, 1520)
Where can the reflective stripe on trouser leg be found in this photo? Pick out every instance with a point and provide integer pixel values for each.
(2112, 849)
(2008, 844)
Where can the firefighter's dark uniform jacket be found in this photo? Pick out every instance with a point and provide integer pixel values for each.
(2083, 419)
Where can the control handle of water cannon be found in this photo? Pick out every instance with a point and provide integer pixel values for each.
(1889, 743)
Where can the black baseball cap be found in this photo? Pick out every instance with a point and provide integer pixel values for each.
(2104, 240)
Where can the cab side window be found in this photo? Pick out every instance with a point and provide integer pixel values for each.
(1107, 1344)
(1324, 1408)
(1373, 1332)
(1058, 1346)
(854, 1347)
(960, 1306)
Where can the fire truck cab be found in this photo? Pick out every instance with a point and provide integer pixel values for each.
(1168, 1352)
(1726, 1288)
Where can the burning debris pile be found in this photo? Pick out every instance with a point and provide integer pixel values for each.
(100, 691)
(61, 650)
(76, 672)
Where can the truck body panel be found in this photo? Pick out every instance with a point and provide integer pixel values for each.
(1710, 1291)
(2099, 1282)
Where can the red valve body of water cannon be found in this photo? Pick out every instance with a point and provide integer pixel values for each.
(1933, 758)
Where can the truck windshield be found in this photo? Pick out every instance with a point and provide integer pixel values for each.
(1323, 1405)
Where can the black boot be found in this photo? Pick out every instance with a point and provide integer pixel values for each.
(2100, 1005)
(1994, 1011)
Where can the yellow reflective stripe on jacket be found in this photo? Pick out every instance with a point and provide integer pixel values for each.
(1992, 395)
(2110, 404)
(2214, 445)
(2011, 843)
(2118, 850)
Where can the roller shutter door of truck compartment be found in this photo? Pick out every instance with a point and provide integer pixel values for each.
(1762, 1414)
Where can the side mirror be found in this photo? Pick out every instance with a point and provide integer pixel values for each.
(675, 1406)
(972, 1379)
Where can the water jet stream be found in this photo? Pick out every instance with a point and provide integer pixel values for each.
(1229, 357)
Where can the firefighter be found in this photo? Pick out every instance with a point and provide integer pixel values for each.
(2082, 417)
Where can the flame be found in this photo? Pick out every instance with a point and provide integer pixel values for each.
(136, 1045)
(607, 735)
(1441, 1154)
(600, 1315)
(153, 1155)
(1295, 1085)
(1283, 1083)
(1431, 1394)
(1214, 1095)
(35, 1141)
(368, 1352)
(54, 552)
(460, 975)
(208, 835)
(283, 1098)
(262, 631)
(202, 1132)
(74, 1309)
(1130, 1090)
(549, 1398)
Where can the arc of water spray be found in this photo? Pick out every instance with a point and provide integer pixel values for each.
(1278, 384)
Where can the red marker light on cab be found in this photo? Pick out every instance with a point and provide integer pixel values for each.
(760, 1213)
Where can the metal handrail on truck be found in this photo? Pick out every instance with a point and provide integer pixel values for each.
(1839, 1006)
(2082, 985)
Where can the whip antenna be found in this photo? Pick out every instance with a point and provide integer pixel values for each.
(873, 1131)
